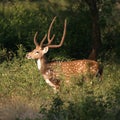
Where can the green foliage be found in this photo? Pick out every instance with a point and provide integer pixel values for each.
(21, 51)
(3, 54)
(110, 27)
(19, 20)
(24, 91)
(19, 24)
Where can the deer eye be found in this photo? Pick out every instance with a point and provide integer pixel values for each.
(37, 52)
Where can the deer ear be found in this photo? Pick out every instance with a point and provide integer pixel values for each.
(45, 50)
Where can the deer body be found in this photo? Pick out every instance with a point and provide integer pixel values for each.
(75, 68)
(53, 72)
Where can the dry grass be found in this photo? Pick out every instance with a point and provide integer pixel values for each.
(17, 107)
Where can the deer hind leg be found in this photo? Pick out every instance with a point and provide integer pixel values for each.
(100, 72)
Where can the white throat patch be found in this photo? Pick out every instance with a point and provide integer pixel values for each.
(39, 64)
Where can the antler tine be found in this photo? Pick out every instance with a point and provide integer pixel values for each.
(50, 27)
(63, 37)
(35, 41)
(41, 43)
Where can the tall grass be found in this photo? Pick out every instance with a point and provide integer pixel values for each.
(25, 95)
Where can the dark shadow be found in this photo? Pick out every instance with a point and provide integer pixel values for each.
(90, 108)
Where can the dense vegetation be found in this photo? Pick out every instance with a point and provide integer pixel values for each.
(24, 95)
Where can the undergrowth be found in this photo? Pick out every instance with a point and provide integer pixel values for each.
(24, 95)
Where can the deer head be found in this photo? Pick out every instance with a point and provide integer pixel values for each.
(41, 48)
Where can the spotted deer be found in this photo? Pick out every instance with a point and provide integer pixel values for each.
(52, 71)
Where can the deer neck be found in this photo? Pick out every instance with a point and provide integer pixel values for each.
(41, 64)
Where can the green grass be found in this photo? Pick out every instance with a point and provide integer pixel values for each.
(25, 95)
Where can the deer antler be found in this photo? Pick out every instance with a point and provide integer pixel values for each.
(35, 41)
(42, 41)
(50, 27)
(50, 40)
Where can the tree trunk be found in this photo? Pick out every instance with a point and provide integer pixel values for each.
(96, 36)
